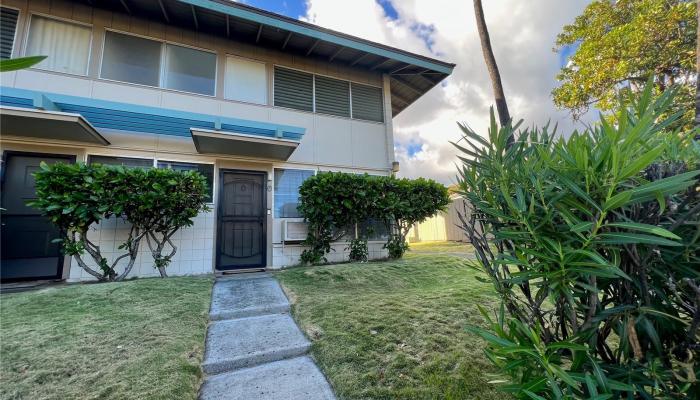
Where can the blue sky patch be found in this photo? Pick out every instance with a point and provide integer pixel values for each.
(414, 148)
(291, 8)
(389, 9)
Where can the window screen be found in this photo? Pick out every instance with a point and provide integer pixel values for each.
(207, 170)
(8, 26)
(367, 103)
(66, 45)
(332, 96)
(131, 59)
(294, 89)
(122, 161)
(287, 183)
(190, 70)
(245, 81)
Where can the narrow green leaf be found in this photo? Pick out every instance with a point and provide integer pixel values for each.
(14, 64)
(646, 228)
(634, 238)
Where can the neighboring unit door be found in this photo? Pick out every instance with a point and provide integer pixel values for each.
(27, 249)
(241, 220)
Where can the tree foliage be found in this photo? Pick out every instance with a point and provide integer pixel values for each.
(335, 203)
(620, 44)
(156, 202)
(593, 245)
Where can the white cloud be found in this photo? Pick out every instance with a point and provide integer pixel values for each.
(522, 35)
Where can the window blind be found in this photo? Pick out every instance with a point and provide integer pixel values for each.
(294, 89)
(8, 25)
(332, 96)
(367, 103)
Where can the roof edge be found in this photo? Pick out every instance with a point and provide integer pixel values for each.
(304, 28)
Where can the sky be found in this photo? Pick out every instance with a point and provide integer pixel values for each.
(523, 37)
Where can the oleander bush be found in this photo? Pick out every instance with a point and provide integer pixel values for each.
(593, 243)
(156, 203)
(335, 203)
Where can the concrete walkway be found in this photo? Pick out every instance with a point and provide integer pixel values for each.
(254, 349)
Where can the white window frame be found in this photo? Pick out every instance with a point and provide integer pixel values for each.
(314, 75)
(274, 211)
(267, 78)
(27, 29)
(161, 66)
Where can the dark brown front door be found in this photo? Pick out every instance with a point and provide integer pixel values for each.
(28, 251)
(241, 221)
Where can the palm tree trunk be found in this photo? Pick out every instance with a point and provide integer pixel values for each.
(501, 105)
(697, 66)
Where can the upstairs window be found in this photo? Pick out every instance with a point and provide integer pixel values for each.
(131, 59)
(8, 27)
(190, 70)
(294, 89)
(149, 62)
(66, 45)
(207, 170)
(246, 80)
(287, 183)
(367, 103)
(332, 96)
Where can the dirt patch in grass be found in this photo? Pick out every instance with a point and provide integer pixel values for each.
(136, 339)
(395, 330)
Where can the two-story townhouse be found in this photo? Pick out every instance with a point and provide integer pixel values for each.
(255, 101)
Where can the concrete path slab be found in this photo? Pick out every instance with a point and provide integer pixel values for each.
(293, 379)
(245, 342)
(241, 297)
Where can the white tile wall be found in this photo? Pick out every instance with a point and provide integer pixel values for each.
(288, 255)
(195, 249)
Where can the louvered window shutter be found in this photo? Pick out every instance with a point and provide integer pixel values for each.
(294, 89)
(367, 103)
(332, 96)
(8, 24)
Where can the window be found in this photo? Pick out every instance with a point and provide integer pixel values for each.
(294, 89)
(8, 26)
(367, 103)
(122, 161)
(131, 59)
(374, 229)
(66, 45)
(246, 80)
(309, 92)
(190, 70)
(207, 170)
(332, 96)
(287, 183)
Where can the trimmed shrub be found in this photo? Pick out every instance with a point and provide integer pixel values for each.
(157, 202)
(334, 203)
(592, 243)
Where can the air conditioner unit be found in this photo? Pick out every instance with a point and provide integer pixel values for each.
(294, 231)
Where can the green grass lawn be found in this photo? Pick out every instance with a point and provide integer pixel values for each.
(441, 247)
(395, 329)
(136, 339)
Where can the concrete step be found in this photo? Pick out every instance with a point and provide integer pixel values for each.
(245, 342)
(247, 296)
(293, 379)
